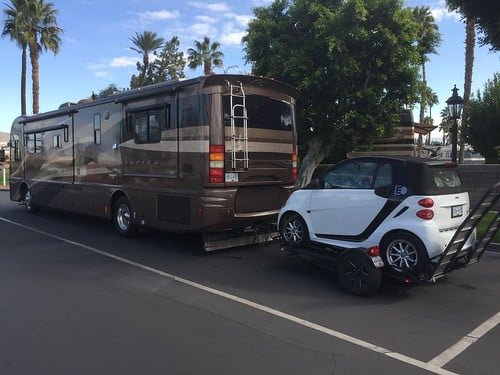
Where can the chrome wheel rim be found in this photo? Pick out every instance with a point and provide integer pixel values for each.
(293, 231)
(27, 199)
(123, 217)
(402, 254)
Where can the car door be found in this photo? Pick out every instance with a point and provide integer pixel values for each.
(346, 204)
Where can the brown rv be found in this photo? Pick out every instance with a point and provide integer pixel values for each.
(203, 155)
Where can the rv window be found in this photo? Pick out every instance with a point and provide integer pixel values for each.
(190, 107)
(263, 112)
(33, 143)
(97, 129)
(146, 126)
(14, 148)
(56, 141)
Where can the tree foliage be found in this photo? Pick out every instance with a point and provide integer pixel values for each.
(144, 44)
(14, 27)
(486, 16)
(483, 126)
(205, 54)
(33, 23)
(169, 63)
(355, 63)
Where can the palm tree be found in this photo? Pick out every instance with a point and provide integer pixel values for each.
(445, 124)
(470, 41)
(15, 27)
(429, 39)
(206, 55)
(42, 34)
(145, 43)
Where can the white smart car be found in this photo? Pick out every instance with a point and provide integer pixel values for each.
(410, 207)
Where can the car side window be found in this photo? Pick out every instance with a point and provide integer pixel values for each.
(351, 175)
(384, 176)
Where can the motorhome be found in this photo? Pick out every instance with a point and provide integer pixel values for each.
(212, 155)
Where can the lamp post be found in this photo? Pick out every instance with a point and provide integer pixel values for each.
(455, 105)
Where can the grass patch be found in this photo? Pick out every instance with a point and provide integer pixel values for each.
(6, 176)
(483, 225)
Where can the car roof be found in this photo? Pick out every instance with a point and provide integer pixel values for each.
(408, 160)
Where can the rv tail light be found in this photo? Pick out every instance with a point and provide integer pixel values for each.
(425, 214)
(294, 165)
(426, 202)
(216, 168)
(374, 251)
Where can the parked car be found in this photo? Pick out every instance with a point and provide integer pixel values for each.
(409, 207)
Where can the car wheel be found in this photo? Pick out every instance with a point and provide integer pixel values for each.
(357, 274)
(404, 252)
(294, 230)
(122, 217)
(28, 202)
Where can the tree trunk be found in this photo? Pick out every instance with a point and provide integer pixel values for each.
(317, 151)
(470, 40)
(422, 103)
(35, 75)
(23, 80)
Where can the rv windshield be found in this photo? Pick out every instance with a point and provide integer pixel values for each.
(263, 113)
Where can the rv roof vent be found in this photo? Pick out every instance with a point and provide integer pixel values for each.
(66, 105)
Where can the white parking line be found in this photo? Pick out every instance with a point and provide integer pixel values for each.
(433, 366)
(465, 342)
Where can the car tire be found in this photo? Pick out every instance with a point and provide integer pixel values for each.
(28, 202)
(404, 252)
(357, 274)
(293, 230)
(122, 218)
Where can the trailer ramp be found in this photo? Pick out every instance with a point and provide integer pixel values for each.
(456, 255)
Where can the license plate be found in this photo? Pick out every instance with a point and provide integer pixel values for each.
(231, 177)
(377, 261)
(456, 211)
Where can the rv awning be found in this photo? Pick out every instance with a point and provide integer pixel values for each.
(423, 129)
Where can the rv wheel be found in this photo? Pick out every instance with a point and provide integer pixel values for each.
(122, 217)
(28, 202)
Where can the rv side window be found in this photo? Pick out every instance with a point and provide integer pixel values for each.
(56, 141)
(14, 148)
(190, 107)
(146, 126)
(97, 129)
(33, 143)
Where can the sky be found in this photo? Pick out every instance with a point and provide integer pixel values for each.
(95, 50)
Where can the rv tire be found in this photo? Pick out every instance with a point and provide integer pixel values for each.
(28, 202)
(122, 217)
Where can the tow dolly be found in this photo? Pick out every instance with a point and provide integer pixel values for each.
(359, 270)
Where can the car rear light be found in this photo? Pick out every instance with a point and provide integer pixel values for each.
(374, 251)
(294, 165)
(425, 214)
(216, 168)
(426, 202)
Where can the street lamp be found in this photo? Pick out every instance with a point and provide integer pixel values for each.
(455, 105)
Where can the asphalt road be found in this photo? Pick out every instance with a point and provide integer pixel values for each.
(78, 299)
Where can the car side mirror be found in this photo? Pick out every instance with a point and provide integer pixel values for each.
(383, 191)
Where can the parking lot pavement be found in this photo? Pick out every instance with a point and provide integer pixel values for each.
(82, 300)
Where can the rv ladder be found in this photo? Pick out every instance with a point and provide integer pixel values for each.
(239, 127)
(455, 255)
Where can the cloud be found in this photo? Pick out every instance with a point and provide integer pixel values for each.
(101, 74)
(440, 14)
(158, 15)
(122, 62)
(212, 7)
